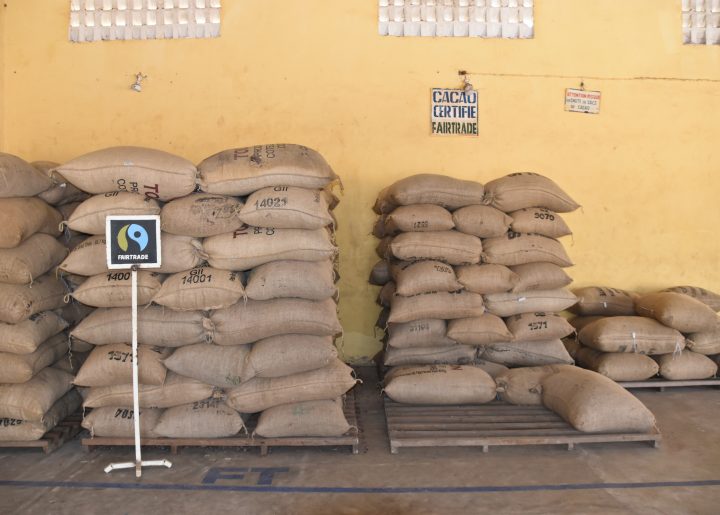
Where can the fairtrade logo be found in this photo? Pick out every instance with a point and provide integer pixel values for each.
(136, 233)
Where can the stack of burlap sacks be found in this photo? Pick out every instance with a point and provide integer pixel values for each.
(629, 337)
(36, 375)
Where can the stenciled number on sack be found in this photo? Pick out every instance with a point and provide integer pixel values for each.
(197, 276)
(118, 276)
(535, 326)
(124, 357)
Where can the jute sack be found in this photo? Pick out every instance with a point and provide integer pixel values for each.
(428, 188)
(480, 330)
(452, 247)
(593, 403)
(26, 337)
(481, 221)
(14, 430)
(177, 390)
(521, 190)
(426, 277)
(617, 366)
(631, 334)
(382, 319)
(73, 312)
(32, 399)
(540, 276)
(485, 279)
(493, 369)
(383, 205)
(209, 418)
(678, 311)
(20, 368)
(450, 355)
(32, 258)
(383, 249)
(112, 364)
(72, 362)
(534, 301)
(311, 418)
(522, 386)
(20, 218)
(66, 210)
(530, 327)
(211, 364)
(114, 289)
(537, 220)
(88, 258)
(261, 393)
(379, 230)
(418, 218)
(201, 215)
(255, 320)
(200, 289)
(254, 246)
(311, 280)
(686, 365)
(518, 249)
(289, 354)
(440, 384)
(241, 171)
(90, 216)
(431, 332)
(61, 192)
(20, 302)
(152, 173)
(285, 207)
(157, 326)
(436, 305)
(705, 296)
(117, 422)
(707, 342)
(597, 300)
(580, 322)
(20, 179)
(527, 354)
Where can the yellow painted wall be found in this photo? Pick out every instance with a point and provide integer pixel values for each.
(2, 75)
(647, 169)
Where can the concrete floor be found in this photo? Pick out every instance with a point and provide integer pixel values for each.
(683, 476)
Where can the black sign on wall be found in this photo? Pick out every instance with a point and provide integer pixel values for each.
(133, 241)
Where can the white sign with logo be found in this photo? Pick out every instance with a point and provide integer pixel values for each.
(581, 101)
(454, 112)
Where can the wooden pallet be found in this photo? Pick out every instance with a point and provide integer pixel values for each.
(65, 431)
(352, 439)
(661, 384)
(489, 425)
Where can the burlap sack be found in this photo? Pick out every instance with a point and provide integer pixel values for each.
(32, 399)
(707, 342)
(72, 362)
(311, 280)
(32, 258)
(113, 289)
(418, 218)
(518, 249)
(527, 354)
(241, 171)
(712, 299)
(593, 403)
(19, 302)
(201, 215)
(212, 364)
(598, 300)
(440, 384)
(631, 334)
(617, 366)
(210, 418)
(117, 422)
(379, 229)
(450, 355)
(61, 192)
(253, 246)
(88, 258)
(152, 173)
(383, 249)
(90, 216)
(110, 365)
(15, 430)
(176, 391)
(260, 393)
(285, 207)
(452, 247)
(66, 210)
(20, 218)
(485, 279)
(521, 190)
(534, 301)
(436, 305)
(537, 220)
(430, 332)
(312, 418)
(522, 386)
(435, 189)
(480, 330)
(540, 276)
(482, 221)
(26, 337)
(200, 289)
(686, 366)
(426, 277)
(20, 368)
(289, 354)
(20, 179)
(73, 312)
(678, 311)
(493, 369)
(580, 322)
(382, 319)
(383, 205)
(530, 327)
(386, 294)
(256, 320)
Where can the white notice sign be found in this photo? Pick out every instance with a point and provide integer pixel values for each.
(581, 101)
(454, 112)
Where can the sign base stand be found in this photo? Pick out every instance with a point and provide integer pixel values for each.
(137, 466)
